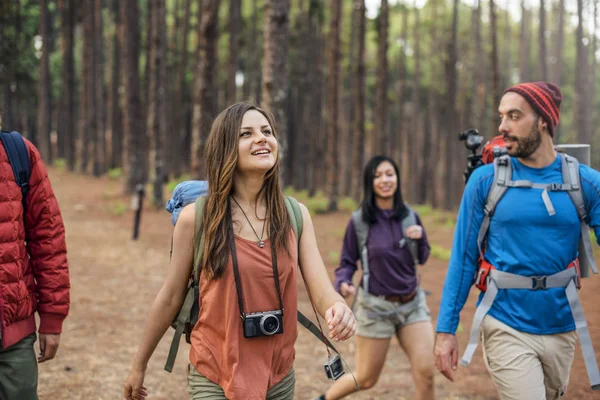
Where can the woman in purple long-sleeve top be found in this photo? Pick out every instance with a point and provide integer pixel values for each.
(394, 304)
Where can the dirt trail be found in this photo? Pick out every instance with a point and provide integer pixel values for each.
(114, 281)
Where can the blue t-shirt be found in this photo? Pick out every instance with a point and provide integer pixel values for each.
(522, 239)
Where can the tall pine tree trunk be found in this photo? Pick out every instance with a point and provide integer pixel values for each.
(380, 139)
(115, 121)
(333, 69)
(204, 88)
(581, 71)
(136, 164)
(524, 44)
(157, 102)
(558, 66)
(543, 59)
(68, 133)
(359, 101)
(100, 142)
(235, 22)
(44, 104)
(274, 72)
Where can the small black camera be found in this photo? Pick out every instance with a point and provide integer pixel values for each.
(265, 323)
(472, 139)
(334, 368)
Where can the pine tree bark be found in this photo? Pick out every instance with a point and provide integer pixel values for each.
(115, 120)
(524, 44)
(494, 55)
(359, 102)
(66, 138)
(333, 68)
(204, 89)
(156, 122)
(235, 22)
(136, 142)
(543, 59)
(380, 137)
(274, 72)
(100, 141)
(44, 105)
(416, 141)
(581, 71)
(450, 118)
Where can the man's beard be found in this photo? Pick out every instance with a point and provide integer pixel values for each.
(526, 146)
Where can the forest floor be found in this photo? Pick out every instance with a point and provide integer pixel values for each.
(115, 279)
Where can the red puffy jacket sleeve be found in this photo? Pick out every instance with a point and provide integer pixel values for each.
(45, 236)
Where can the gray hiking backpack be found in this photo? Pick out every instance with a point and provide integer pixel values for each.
(362, 234)
(571, 184)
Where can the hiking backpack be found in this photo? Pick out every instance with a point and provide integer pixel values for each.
(195, 191)
(571, 184)
(361, 227)
(18, 157)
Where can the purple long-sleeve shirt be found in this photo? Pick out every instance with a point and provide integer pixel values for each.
(390, 266)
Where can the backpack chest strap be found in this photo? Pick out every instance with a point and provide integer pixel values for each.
(545, 187)
(564, 279)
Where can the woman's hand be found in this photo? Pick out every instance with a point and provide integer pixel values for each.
(133, 388)
(347, 289)
(414, 232)
(341, 321)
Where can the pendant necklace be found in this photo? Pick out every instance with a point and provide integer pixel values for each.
(261, 242)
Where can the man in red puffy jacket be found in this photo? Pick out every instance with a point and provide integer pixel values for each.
(33, 276)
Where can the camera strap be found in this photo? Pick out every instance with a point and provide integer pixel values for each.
(238, 281)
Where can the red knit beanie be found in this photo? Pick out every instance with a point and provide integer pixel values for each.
(544, 98)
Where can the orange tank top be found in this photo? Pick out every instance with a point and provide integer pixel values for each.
(247, 368)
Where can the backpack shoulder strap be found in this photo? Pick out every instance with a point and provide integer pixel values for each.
(361, 228)
(571, 179)
(295, 213)
(198, 238)
(570, 174)
(188, 313)
(18, 156)
(502, 177)
(362, 234)
(409, 220)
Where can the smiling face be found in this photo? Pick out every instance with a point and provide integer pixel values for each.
(520, 126)
(257, 145)
(385, 181)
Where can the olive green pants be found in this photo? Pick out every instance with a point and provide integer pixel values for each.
(200, 388)
(19, 371)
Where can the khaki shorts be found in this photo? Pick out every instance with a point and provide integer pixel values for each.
(525, 366)
(378, 318)
(199, 387)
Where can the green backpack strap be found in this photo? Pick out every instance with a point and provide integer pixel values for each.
(296, 216)
(188, 314)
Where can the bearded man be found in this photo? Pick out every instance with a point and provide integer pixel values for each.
(522, 243)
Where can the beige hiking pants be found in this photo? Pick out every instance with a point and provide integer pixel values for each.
(525, 366)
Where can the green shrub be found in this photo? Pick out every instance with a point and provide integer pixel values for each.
(423, 210)
(317, 205)
(114, 173)
(60, 163)
(348, 204)
(440, 253)
(174, 182)
(118, 208)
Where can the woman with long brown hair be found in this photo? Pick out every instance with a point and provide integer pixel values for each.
(249, 268)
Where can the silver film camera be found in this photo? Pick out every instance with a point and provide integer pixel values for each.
(334, 368)
(264, 323)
